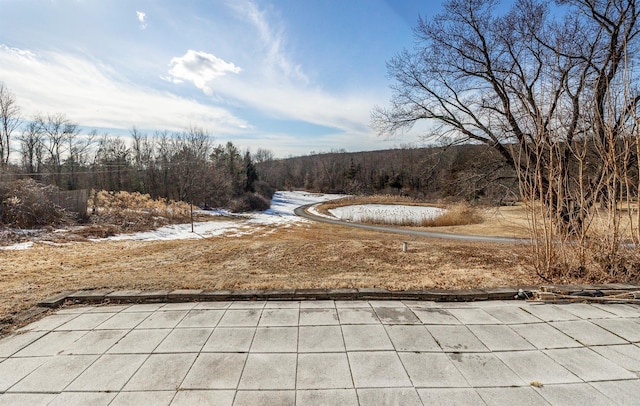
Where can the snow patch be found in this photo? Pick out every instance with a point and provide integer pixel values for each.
(279, 215)
(386, 213)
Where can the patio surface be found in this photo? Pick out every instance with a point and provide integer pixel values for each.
(326, 353)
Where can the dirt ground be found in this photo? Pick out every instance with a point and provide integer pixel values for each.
(310, 255)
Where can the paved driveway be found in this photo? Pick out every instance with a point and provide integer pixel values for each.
(326, 353)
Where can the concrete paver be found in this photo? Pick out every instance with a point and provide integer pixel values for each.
(318, 317)
(587, 333)
(377, 369)
(163, 319)
(269, 371)
(411, 338)
(535, 366)
(366, 338)
(485, 370)
(215, 371)
(161, 372)
(389, 396)
(519, 396)
(456, 339)
(626, 356)
(588, 365)
(275, 339)
(136, 398)
(435, 316)
(511, 315)
(15, 369)
(12, 344)
(621, 392)
(230, 340)
(432, 370)
(108, 374)
(95, 342)
(139, 341)
(279, 317)
(265, 398)
(358, 316)
(323, 371)
(123, 321)
(577, 394)
(628, 329)
(544, 336)
(240, 318)
(320, 339)
(201, 318)
(47, 377)
(83, 398)
(396, 315)
(326, 353)
(184, 340)
(209, 398)
(327, 397)
(500, 338)
(473, 316)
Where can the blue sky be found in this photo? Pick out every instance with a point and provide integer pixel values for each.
(292, 76)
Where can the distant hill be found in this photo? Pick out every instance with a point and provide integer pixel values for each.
(473, 173)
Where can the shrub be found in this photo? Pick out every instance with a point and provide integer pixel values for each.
(26, 204)
(136, 211)
(249, 202)
(458, 215)
(264, 189)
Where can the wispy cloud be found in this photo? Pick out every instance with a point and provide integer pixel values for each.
(200, 68)
(142, 19)
(272, 37)
(94, 96)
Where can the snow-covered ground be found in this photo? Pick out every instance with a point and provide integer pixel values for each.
(386, 213)
(279, 215)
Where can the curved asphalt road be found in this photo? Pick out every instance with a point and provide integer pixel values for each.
(302, 212)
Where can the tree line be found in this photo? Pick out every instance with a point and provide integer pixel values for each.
(473, 173)
(186, 165)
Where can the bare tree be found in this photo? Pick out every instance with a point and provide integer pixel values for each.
(10, 120)
(32, 147)
(263, 155)
(529, 86)
(59, 135)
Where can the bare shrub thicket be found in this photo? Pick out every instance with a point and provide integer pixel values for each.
(551, 94)
(124, 211)
(596, 238)
(26, 204)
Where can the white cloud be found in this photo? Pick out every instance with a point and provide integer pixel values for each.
(200, 68)
(93, 96)
(272, 38)
(142, 18)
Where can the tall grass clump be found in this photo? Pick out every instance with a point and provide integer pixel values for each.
(457, 215)
(135, 211)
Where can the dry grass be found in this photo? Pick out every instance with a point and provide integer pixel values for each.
(460, 214)
(313, 255)
(505, 221)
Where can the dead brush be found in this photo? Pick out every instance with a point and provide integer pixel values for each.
(458, 215)
(133, 212)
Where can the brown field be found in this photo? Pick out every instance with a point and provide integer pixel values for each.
(305, 256)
